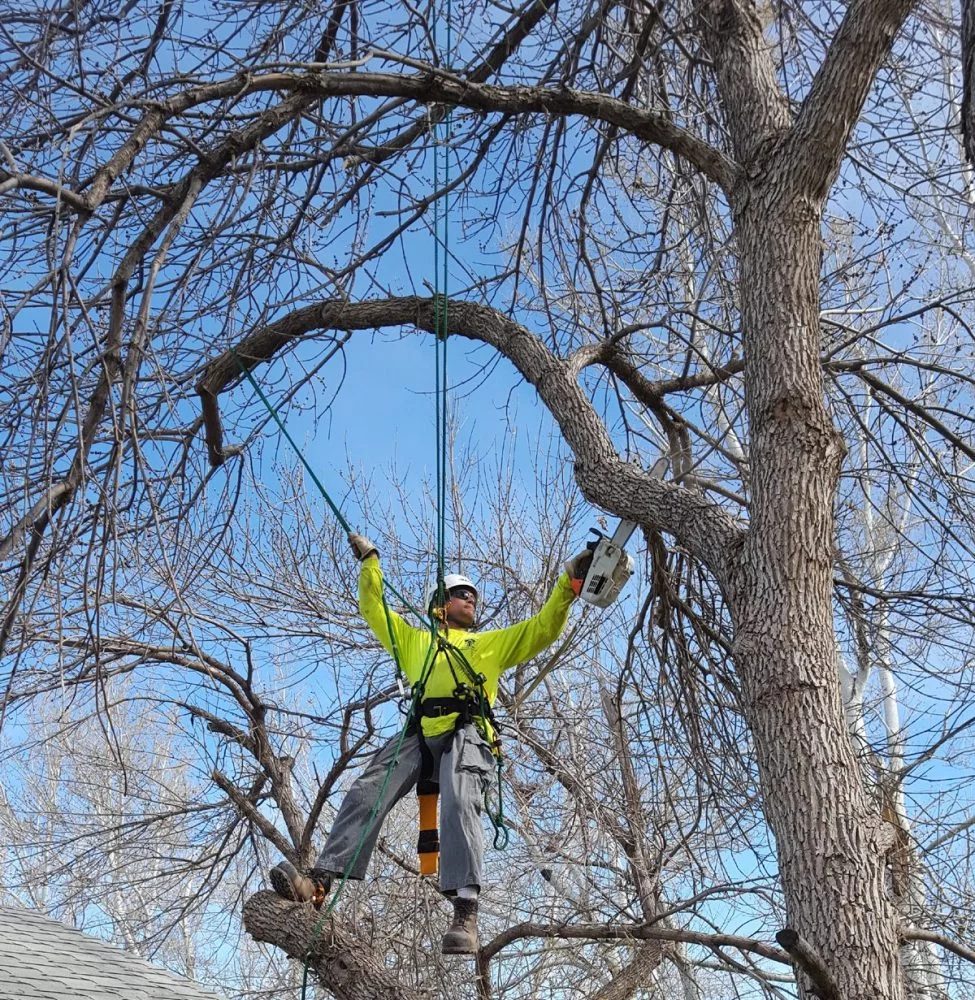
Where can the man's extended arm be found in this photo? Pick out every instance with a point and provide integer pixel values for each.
(517, 643)
(400, 640)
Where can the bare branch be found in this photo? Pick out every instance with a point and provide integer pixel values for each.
(822, 129)
(919, 934)
(809, 962)
(634, 932)
(621, 487)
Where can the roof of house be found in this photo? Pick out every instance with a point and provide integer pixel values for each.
(41, 959)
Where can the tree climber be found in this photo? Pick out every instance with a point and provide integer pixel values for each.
(454, 737)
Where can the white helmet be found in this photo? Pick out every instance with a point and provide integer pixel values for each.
(450, 581)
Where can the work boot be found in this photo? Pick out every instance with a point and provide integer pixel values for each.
(461, 936)
(289, 883)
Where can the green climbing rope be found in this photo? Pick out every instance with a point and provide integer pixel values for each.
(400, 676)
(284, 430)
(441, 328)
(441, 131)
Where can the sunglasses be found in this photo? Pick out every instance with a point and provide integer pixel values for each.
(464, 594)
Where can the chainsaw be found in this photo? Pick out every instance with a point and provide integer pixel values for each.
(611, 564)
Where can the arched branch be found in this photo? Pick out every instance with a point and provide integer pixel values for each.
(623, 488)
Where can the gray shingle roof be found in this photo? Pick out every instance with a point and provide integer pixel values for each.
(41, 959)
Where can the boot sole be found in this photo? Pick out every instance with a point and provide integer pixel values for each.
(281, 884)
(459, 948)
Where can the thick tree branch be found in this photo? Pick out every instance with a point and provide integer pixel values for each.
(435, 87)
(810, 963)
(834, 102)
(968, 78)
(344, 965)
(753, 103)
(444, 89)
(636, 932)
(39, 515)
(12, 181)
(624, 488)
(919, 934)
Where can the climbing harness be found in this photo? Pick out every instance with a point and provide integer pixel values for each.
(472, 706)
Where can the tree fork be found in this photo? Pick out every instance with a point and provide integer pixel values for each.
(343, 964)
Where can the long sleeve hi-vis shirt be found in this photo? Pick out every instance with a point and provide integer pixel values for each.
(489, 654)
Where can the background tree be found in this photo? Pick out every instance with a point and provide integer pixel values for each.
(705, 228)
(613, 879)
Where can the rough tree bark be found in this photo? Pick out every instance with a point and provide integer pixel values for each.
(777, 577)
(968, 78)
(335, 956)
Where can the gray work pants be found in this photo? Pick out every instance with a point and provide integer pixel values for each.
(463, 764)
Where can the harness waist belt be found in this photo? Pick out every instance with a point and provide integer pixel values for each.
(434, 707)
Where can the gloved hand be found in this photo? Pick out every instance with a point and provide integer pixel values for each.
(361, 546)
(577, 567)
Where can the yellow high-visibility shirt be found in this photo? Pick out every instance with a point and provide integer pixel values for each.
(488, 653)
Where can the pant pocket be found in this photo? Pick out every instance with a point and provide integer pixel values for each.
(474, 754)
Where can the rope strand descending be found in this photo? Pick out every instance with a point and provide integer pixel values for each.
(441, 133)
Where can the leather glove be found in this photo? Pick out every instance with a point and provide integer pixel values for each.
(361, 546)
(578, 566)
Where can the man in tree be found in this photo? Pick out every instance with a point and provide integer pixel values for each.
(451, 742)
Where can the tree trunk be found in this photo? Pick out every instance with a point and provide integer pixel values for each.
(831, 844)
(342, 964)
